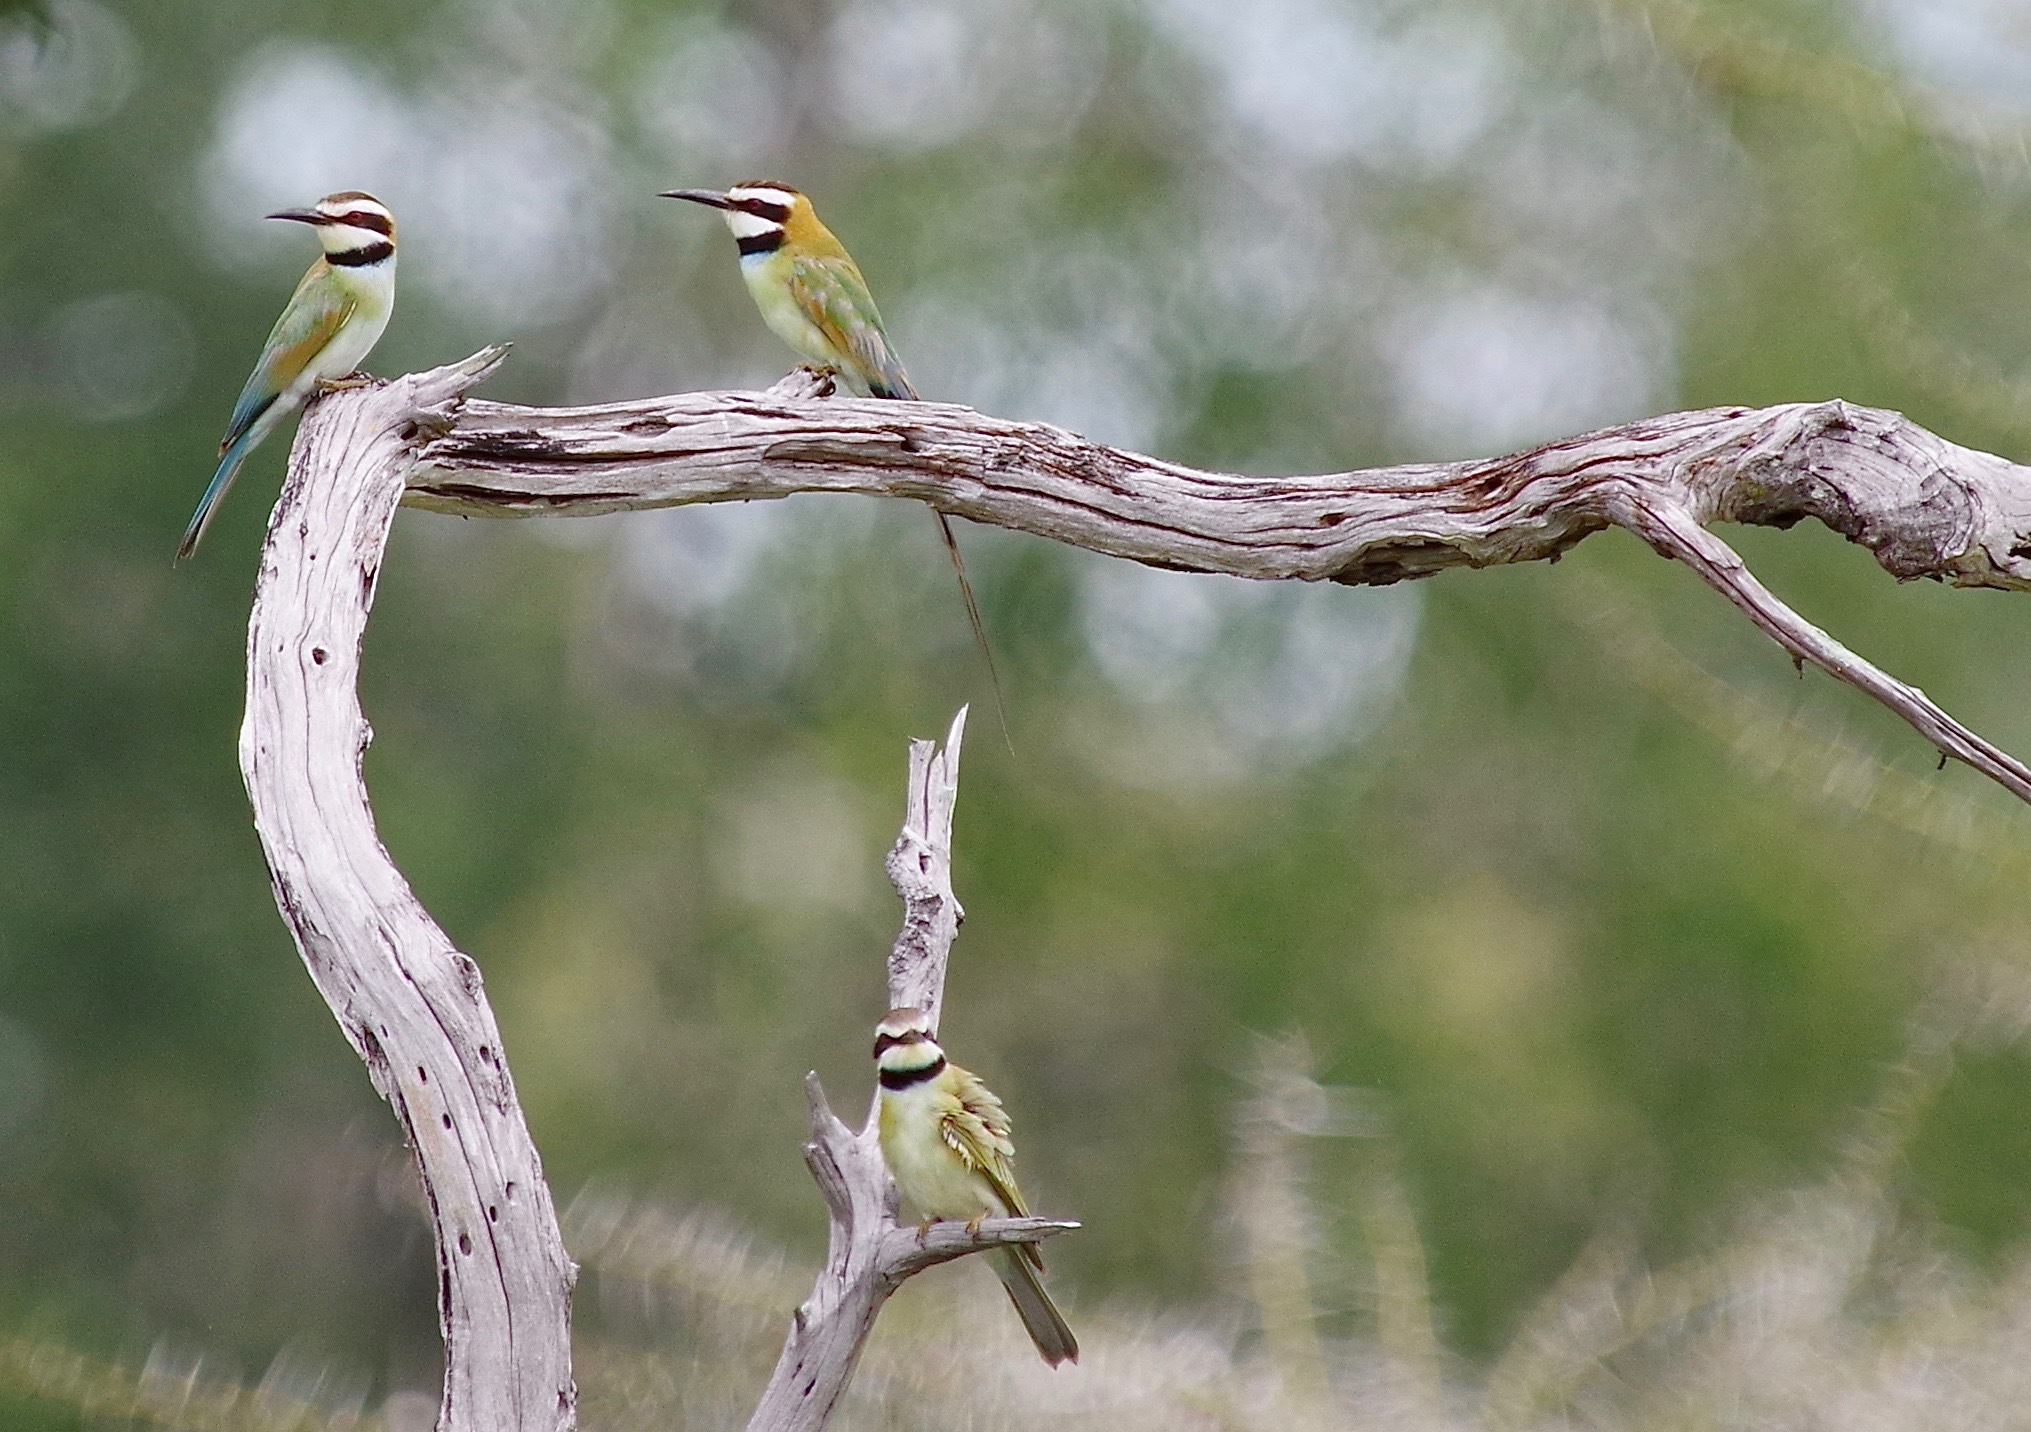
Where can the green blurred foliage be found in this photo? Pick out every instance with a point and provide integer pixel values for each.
(1610, 931)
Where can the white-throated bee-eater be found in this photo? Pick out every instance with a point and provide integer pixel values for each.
(945, 1138)
(331, 323)
(812, 296)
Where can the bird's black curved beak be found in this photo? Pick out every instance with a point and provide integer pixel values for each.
(711, 197)
(302, 216)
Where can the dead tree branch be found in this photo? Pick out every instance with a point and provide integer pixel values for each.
(1926, 507)
(413, 1006)
(868, 1255)
(920, 867)
(409, 1002)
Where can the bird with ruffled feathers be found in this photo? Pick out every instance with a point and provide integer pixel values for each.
(945, 1138)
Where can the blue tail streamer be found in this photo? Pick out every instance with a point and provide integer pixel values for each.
(222, 482)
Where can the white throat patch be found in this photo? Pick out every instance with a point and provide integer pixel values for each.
(748, 226)
(344, 238)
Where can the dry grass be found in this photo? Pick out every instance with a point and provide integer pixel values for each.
(1828, 1308)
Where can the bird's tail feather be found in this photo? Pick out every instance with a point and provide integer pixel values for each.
(973, 619)
(1041, 1318)
(222, 482)
(893, 382)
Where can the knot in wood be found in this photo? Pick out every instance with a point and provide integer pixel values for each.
(910, 865)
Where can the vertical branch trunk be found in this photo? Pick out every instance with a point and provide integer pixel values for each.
(410, 1003)
(828, 1331)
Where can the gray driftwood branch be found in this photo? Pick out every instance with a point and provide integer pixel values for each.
(868, 1255)
(411, 1004)
(1926, 507)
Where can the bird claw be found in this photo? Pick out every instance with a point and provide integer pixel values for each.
(354, 379)
(924, 1231)
(973, 1225)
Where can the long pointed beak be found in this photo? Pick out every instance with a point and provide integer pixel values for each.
(711, 197)
(301, 216)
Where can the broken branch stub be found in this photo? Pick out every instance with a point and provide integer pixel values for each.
(920, 868)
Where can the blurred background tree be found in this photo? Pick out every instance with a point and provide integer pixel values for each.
(1612, 918)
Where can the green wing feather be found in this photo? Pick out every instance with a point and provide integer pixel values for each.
(834, 297)
(977, 1129)
(312, 317)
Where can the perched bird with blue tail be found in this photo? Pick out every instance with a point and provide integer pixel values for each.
(813, 297)
(945, 1138)
(331, 323)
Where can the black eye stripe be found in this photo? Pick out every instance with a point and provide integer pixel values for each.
(764, 209)
(365, 219)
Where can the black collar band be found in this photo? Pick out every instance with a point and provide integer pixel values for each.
(904, 1078)
(766, 242)
(354, 258)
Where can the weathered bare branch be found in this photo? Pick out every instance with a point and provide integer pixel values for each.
(412, 1005)
(868, 1255)
(1926, 507)
(920, 867)
(409, 1002)
(1675, 534)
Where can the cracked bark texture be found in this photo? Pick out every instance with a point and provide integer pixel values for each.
(414, 1007)
(1926, 507)
(411, 1004)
